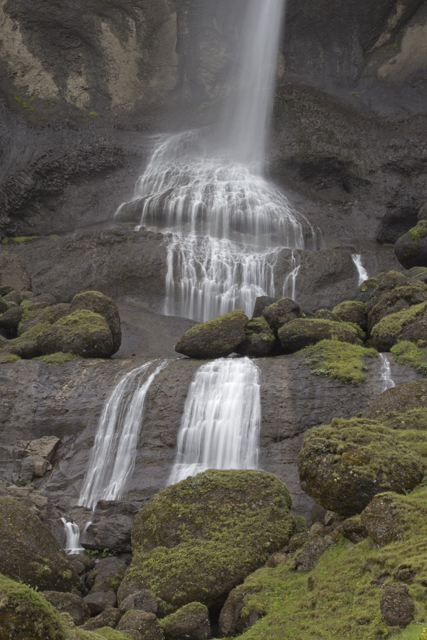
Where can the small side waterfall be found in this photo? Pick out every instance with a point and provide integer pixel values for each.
(363, 274)
(290, 284)
(221, 421)
(114, 452)
(72, 539)
(386, 379)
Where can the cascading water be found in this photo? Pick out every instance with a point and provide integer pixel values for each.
(363, 274)
(387, 381)
(114, 452)
(72, 537)
(206, 189)
(221, 421)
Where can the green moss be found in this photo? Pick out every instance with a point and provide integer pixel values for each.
(213, 324)
(371, 283)
(6, 358)
(110, 634)
(390, 327)
(338, 360)
(5, 241)
(58, 358)
(94, 114)
(348, 305)
(23, 238)
(419, 232)
(405, 352)
(53, 236)
(176, 618)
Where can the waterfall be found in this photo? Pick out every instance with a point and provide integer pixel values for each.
(290, 284)
(226, 222)
(221, 421)
(72, 537)
(363, 274)
(387, 381)
(113, 455)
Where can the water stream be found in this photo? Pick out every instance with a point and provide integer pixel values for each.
(363, 274)
(387, 381)
(221, 421)
(72, 537)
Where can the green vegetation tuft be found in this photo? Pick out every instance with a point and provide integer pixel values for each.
(371, 283)
(58, 358)
(23, 238)
(391, 326)
(338, 360)
(419, 232)
(6, 358)
(53, 236)
(405, 352)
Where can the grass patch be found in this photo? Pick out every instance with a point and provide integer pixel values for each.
(405, 352)
(58, 358)
(7, 358)
(338, 360)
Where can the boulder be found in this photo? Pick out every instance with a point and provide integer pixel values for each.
(45, 447)
(237, 615)
(99, 601)
(353, 312)
(326, 314)
(41, 302)
(108, 618)
(83, 333)
(5, 305)
(302, 332)
(191, 622)
(281, 312)
(385, 518)
(140, 600)
(402, 398)
(106, 307)
(216, 338)
(72, 604)
(108, 574)
(344, 464)
(10, 319)
(29, 552)
(145, 623)
(397, 606)
(409, 324)
(312, 551)
(45, 314)
(353, 529)
(13, 272)
(260, 339)
(411, 248)
(24, 613)
(261, 303)
(14, 296)
(196, 540)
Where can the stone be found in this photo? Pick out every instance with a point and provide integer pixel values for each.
(397, 606)
(83, 333)
(345, 464)
(191, 622)
(300, 333)
(108, 573)
(45, 447)
(395, 223)
(41, 465)
(42, 301)
(409, 324)
(10, 319)
(261, 303)
(260, 339)
(236, 616)
(411, 247)
(29, 552)
(13, 296)
(281, 312)
(13, 272)
(402, 398)
(216, 338)
(326, 314)
(140, 600)
(352, 311)
(108, 618)
(146, 623)
(71, 603)
(24, 612)
(353, 529)
(310, 554)
(106, 307)
(99, 601)
(383, 519)
(233, 520)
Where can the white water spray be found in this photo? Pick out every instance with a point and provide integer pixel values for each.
(363, 274)
(72, 537)
(227, 222)
(387, 381)
(112, 460)
(221, 421)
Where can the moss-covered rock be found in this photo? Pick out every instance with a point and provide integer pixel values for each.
(106, 307)
(281, 312)
(146, 624)
(338, 360)
(407, 324)
(260, 339)
(297, 334)
(384, 518)
(10, 319)
(83, 333)
(26, 615)
(345, 464)
(411, 248)
(35, 315)
(71, 603)
(216, 338)
(408, 353)
(191, 622)
(196, 540)
(29, 552)
(353, 312)
(405, 398)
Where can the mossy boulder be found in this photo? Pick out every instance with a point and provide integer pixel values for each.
(105, 306)
(281, 312)
(410, 324)
(146, 624)
(395, 292)
(385, 516)
(191, 622)
(83, 333)
(408, 353)
(301, 333)
(338, 360)
(29, 552)
(260, 339)
(216, 338)
(26, 615)
(198, 539)
(411, 248)
(403, 398)
(353, 312)
(326, 314)
(345, 464)
(10, 319)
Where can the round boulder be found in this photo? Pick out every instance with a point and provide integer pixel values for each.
(300, 333)
(411, 248)
(191, 622)
(397, 606)
(69, 603)
(260, 339)
(353, 312)
(106, 307)
(145, 623)
(409, 324)
(281, 312)
(83, 333)
(384, 518)
(216, 338)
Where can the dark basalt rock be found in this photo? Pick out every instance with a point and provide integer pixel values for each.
(83, 333)
(353, 312)
(397, 606)
(281, 312)
(106, 307)
(191, 622)
(236, 616)
(69, 603)
(145, 623)
(409, 324)
(384, 519)
(216, 338)
(411, 248)
(110, 617)
(260, 339)
(300, 333)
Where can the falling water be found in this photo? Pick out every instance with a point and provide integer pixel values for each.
(221, 421)
(387, 381)
(114, 452)
(290, 284)
(206, 189)
(72, 537)
(363, 274)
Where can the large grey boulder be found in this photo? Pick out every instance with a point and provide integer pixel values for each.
(216, 338)
(69, 603)
(105, 306)
(191, 622)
